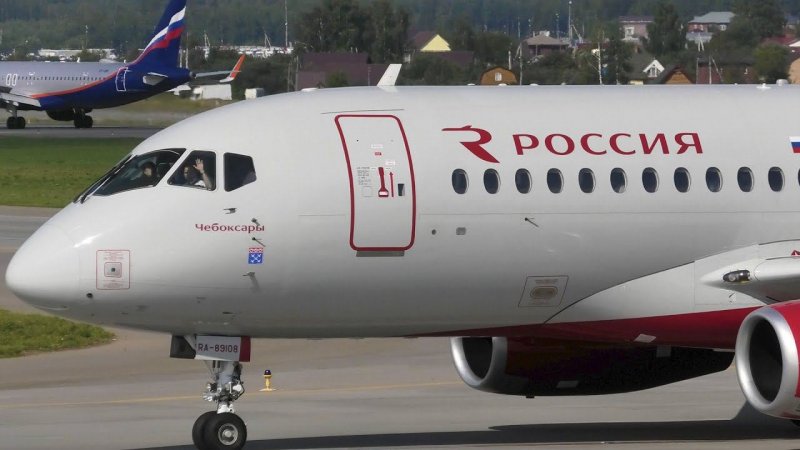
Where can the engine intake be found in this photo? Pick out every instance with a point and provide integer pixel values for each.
(767, 359)
(533, 367)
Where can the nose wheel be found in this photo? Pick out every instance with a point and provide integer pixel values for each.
(221, 429)
(213, 431)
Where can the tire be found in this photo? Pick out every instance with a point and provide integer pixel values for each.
(11, 123)
(88, 122)
(21, 122)
(225, 431)
(198, 429)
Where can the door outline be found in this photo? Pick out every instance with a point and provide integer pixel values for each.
(121, 79)
(352, 183)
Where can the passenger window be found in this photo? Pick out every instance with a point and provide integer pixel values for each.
(523, 180)
(650, 180)
(745, 179)
(618, 180)
(775, 178)
(682, 180)
(713, 179)
(555, 181)
(239, 171)
(198, 170)
(138, 172)
(491, 181)
(586, 180)
(460, 182)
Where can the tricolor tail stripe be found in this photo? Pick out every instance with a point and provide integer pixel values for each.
(174, 29)
(163, 48)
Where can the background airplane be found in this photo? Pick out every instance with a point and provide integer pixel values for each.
(69, 91)
(563, 257)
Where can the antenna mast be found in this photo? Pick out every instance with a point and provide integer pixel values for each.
(569, 23)
(286, 23)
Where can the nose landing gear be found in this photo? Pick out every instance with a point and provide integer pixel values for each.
(221, 429)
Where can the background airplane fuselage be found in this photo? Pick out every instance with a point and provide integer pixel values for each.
(339, 263)
(63, 86)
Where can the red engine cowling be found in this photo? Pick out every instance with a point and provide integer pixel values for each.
(537, 367)
(767, 359)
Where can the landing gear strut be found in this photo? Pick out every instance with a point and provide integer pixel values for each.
(221, 429)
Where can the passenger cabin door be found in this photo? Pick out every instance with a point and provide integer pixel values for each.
(121, 79)
(382, 191)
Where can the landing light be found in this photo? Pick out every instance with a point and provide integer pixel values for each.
(737, 276)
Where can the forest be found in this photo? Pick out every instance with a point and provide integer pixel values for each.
(125, 24)
(491, 30)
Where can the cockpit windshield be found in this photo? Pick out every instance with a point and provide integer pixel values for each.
(138, 172)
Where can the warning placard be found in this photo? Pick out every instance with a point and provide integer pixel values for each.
(113, 270)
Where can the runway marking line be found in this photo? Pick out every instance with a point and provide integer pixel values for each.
(195, 397)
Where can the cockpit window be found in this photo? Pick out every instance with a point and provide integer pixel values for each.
(239, 171)
(138, 172)
(199, 170)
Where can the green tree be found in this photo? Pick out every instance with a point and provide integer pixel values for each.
(491, 49)
(431, 70)
(336, 25)
(87, 56)
(734, 45)
(617, 57)
(765, 16)
(270, 74)
(461, 35)
(771, 62)
(667, 34)
(387, 30)
(336, 79)
(553, 68)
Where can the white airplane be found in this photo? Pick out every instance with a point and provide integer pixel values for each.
(569, 240)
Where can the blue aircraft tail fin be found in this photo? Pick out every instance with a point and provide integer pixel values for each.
(165, 44)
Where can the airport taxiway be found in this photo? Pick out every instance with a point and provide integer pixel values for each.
(370, 393)
(65, 131)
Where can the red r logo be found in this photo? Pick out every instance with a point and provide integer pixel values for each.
(476, 147)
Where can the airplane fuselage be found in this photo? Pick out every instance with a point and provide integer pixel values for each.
(362, 232)
(66, 86)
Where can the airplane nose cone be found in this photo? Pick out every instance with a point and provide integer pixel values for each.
(44, 271)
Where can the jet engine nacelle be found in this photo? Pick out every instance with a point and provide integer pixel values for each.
(767, 359)
(531, 367)
(66, 115)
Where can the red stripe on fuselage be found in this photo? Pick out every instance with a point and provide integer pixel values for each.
(77, 89)
(161, 44)
(713, 329)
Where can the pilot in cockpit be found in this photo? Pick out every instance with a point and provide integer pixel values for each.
(196, 175)
(147, 176)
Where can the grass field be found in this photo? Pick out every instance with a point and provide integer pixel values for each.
(22, 334)
(51, 172)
